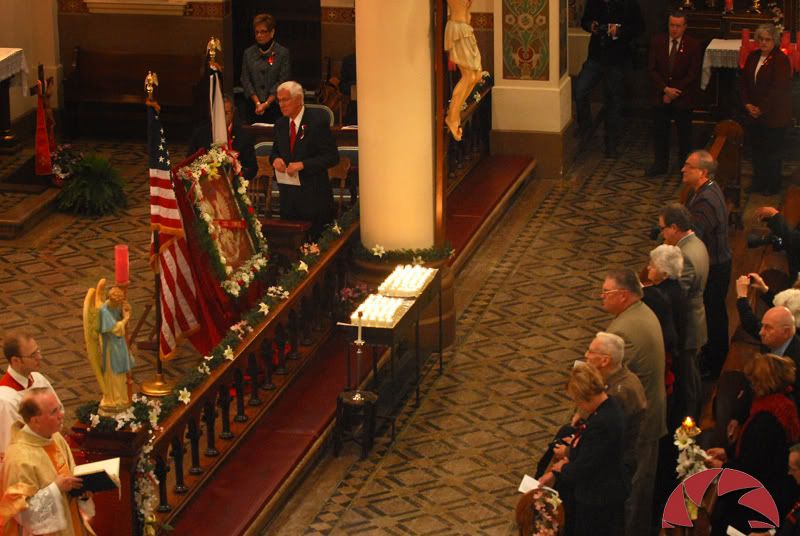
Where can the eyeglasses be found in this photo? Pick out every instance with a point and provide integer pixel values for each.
(36, 354)
(609, 291)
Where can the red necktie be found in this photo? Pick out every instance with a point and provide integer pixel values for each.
(292, 135)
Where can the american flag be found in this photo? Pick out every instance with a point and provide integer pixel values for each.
(177, 293)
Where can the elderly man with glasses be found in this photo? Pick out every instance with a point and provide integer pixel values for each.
(644, 355)
(22, 374)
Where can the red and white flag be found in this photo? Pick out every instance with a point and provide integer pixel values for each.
(178, 300)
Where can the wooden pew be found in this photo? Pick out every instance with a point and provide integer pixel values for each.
(103, 81)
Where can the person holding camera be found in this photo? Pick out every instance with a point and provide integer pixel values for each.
(790, 237)
(614, 24)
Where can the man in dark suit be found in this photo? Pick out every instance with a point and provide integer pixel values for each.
(674, 65)
(304, 146)
(239, 139)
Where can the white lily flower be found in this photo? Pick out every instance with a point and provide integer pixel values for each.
(184, 396)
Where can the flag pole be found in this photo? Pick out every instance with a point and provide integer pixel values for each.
(159, 386)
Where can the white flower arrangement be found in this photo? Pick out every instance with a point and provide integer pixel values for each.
(228, 353)
(204, 369)
(691, 458)
(263, 308)
(277, 292)
(336, 229)
(208, 166)
(302, 267)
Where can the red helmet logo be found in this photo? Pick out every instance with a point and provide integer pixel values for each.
(757, 499)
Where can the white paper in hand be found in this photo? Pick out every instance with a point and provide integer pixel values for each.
(528, 483)
(285, 178)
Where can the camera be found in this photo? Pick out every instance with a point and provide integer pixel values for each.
(655, 232)
(756, 241)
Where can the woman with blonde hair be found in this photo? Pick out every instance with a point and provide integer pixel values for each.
(594, 470)
(763, 444)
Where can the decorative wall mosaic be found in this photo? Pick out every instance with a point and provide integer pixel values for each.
(526, 52)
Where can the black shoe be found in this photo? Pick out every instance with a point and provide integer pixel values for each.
(772, 191)
(755, 189)
(655, 169)
(611, 152)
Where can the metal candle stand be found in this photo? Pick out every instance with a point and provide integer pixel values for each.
(354, 403)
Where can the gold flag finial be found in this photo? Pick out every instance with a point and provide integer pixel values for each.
(214, 45)
(150, 83)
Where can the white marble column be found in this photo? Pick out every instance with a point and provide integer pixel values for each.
(395, 120)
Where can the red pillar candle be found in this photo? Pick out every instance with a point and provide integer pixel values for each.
(121, 264)
(729, 6)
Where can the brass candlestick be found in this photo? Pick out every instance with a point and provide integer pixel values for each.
(756, 7)
(687, 5)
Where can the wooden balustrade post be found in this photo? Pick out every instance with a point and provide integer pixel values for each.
(194, 447)
(161, 471)
(316, 310)
(305, 322)
(266, 355)
(252, 369)
(280, 341)
(209, 416)
(225, 412)
(177, 460)
(238, 383)
(293, 326)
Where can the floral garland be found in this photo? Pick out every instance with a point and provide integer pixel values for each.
(220, 158)
(149, 412)
(414, 256)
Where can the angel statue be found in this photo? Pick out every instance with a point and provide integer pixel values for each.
(104, 325)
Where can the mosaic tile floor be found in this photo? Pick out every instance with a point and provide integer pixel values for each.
(44, 276)
(527, 308)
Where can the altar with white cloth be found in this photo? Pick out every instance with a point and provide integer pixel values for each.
(13, 72)
(720, 54)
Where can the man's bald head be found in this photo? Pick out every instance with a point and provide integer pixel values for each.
(777, 327)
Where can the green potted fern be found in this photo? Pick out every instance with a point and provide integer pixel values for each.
(95, 189)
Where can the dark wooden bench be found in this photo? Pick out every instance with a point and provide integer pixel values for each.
(107, 87)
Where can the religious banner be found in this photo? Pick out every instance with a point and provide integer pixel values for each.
(526, 33)
(226, 226)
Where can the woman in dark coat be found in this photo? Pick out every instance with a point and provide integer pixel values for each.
(265, 66)
(766, 94)
(594, 469)
(763, 444)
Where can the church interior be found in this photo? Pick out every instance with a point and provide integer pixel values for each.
(262, 395)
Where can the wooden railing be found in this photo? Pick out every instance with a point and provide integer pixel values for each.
(195, 439)
(303, 322)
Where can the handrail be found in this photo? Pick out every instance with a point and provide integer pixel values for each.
(284, 323)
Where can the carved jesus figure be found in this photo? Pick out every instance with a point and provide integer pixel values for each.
(460, 44)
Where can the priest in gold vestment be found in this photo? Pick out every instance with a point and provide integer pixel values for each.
(40, 458)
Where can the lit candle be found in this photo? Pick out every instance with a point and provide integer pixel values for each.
(121, 264)
(688, 423)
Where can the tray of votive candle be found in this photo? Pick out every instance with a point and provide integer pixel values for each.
(380, 311)
(407, 281)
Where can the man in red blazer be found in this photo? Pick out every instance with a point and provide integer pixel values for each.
(674, 65)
